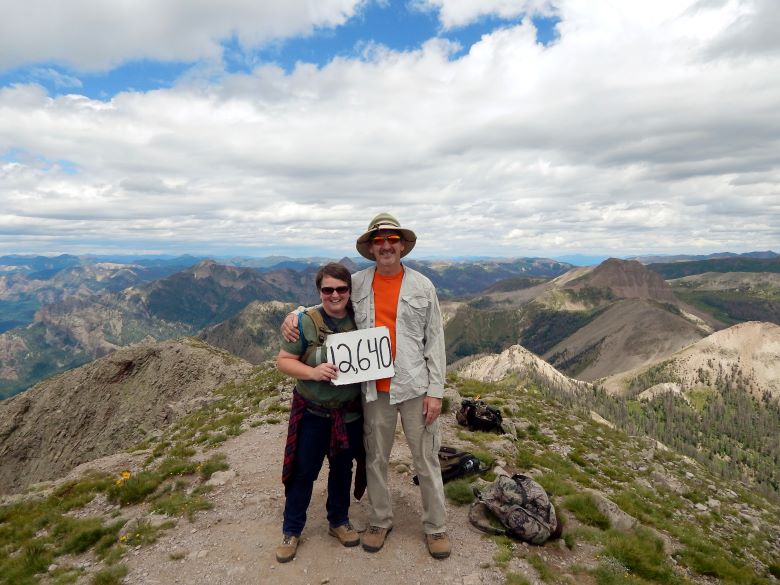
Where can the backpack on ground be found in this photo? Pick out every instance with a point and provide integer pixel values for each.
(455, 464)
(522, 507)
(477, 415)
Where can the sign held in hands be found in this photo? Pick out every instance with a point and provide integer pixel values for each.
(361, 355)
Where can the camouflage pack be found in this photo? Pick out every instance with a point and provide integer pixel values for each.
(521, 505)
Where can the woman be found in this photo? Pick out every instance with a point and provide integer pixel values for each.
(325, 420)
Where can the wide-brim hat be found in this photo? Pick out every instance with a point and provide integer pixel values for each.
(384, 221)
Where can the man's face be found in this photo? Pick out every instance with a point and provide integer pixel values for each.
(386, 246)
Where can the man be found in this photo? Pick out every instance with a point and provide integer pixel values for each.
(393, 295)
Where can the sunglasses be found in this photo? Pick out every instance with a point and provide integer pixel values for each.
(391, 239)
(329, 290)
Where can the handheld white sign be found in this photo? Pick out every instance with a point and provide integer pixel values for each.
(361, 355)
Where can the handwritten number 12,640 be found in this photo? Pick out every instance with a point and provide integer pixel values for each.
(378, 348)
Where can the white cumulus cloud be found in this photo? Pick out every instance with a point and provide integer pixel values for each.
(630, 134)
(96, 34)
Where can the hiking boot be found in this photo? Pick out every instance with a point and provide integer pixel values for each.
(346, 534)
(438, 545)
(374, 538)
(285, 552)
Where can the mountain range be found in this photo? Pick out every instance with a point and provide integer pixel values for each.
(618, 385)
(84, 309)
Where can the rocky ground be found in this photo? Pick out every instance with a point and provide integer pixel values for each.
(234, 543)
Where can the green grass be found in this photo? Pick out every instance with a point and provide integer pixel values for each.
(144, 533)
(504, 550)
(459, 491)
(718, 545)
(178, 502)
(642, 553)
(584, 508)
(610, 572)
(648, 506)
(516, 579)
(705, 558)
(217, 462)
(81, 534)
(174, 466)
(36, 531)
(135, 489)
(555, 485)
(545, 573)
(110, 576)
(486, 458)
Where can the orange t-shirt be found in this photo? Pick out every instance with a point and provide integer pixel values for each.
(386, 292)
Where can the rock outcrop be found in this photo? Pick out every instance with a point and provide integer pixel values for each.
(106, 405)
(520, 361)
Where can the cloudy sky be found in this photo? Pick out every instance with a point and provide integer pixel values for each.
(490, 127)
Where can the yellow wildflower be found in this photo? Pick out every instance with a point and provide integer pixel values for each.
(125, 474)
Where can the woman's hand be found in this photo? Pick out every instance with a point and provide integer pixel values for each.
(324, 372)
(290, 327)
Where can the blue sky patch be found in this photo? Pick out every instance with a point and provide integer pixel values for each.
(393, 24)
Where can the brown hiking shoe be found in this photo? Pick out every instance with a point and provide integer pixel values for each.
(285, 552)
(374, 538)
(346, 534)
(438, 545)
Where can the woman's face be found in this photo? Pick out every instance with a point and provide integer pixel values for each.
(335, 296)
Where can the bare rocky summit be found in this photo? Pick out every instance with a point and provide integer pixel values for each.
(520, 361)
(747, 352)
(106, 406)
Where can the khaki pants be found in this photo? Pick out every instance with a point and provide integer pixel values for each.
(380, 419)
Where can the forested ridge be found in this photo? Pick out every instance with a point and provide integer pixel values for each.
(724, 427)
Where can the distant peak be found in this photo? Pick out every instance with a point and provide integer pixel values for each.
(628, 279)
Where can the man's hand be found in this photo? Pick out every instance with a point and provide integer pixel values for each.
(290, 327)
(431, 409)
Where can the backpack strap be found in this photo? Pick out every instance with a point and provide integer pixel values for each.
(318, 316)
(478, 516)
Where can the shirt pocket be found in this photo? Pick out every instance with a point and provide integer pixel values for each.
(413, 314)
(361, 307)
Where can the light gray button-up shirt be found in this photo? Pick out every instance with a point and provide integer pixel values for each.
(420, 359)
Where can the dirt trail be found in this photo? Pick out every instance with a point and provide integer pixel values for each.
(234, 543)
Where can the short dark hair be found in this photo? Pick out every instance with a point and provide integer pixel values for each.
(334, 270)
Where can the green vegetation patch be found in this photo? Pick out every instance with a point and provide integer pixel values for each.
(585, 509)
(642, 553)
(459, 491)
